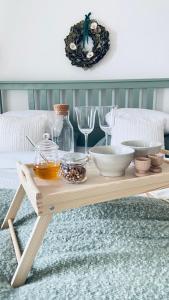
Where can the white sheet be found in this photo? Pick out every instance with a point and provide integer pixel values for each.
(8, 179)
(8, 174)
(8, 160)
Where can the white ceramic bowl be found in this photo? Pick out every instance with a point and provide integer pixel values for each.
(112, 160)
(143, 147)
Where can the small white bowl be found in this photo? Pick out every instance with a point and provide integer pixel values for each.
(112, 160)
(143, 147)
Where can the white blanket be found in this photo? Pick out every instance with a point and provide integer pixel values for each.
(8, 160)
(8, 179)
(8, 174)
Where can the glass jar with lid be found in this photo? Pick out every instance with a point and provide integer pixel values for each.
(73, 167)
(47, 165)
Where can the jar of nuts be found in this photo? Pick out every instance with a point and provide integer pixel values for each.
(73, 167)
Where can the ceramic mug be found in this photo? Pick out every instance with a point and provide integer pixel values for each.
(156, 162)
(142, 165)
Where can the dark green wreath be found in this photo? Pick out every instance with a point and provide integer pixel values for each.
(75, 43)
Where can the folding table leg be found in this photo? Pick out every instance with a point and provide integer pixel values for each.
(30, 250)
(14, 207)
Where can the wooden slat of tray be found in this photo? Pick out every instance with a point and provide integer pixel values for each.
(93, 178)
(60, 195)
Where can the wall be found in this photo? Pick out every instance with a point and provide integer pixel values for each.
(32, 39)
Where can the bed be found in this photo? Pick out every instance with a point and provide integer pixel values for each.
(106, 239)
(148, 93)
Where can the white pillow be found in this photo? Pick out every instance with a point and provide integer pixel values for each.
(50, 116)
(137, 129)
(13, 131)
(143, 114)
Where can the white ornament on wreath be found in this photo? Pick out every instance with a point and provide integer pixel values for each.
(73, 46)
(89, 54)
(93, 26)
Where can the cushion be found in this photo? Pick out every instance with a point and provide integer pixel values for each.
(144, 114)
(13, 131)
(136, 129)
(50, 116)
(102, 142)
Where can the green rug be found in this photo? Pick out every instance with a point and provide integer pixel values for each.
(117, 250)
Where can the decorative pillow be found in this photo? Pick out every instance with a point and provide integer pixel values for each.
(136, 129)
(143, 114)
(50, 116)
(13, 131)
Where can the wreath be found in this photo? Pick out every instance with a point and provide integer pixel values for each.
(76, 43)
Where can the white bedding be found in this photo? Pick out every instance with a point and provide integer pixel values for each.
(8, 179)
(8, 160)
(8, 174)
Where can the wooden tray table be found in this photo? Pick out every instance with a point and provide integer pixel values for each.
(48, 197)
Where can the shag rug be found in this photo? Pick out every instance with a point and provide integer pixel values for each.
(117, 250)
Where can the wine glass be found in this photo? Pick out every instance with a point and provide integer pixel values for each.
(85, 121)
(107, 116)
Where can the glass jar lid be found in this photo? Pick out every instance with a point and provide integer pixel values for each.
(46, 144)
(75, 158)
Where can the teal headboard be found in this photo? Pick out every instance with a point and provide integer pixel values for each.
(124, 93)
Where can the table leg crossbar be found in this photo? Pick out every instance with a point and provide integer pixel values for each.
(14, 240)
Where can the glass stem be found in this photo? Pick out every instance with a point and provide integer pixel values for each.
(86, 143)
(106, 135)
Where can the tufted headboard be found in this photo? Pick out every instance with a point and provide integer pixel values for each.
(124, 93)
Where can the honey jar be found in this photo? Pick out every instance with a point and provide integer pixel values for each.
(47, 165)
